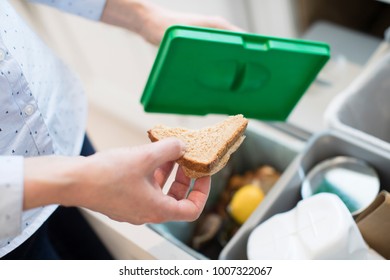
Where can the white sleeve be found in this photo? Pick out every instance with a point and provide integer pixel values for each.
(11, 195)
(91, 9)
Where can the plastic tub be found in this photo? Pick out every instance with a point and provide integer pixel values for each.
(286, 193)
(362, 110)
(263, 145)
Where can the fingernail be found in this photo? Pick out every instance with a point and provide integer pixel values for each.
(182, 147)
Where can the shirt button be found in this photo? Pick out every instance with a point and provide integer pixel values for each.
(29, 110)
(2, 54)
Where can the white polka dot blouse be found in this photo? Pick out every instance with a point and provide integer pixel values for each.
(43, 111)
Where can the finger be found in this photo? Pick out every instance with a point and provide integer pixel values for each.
(160, 152)
(180, 186)
(199, 194)
(162, 173)
(221, 23)
(188, 209)
(228, 26)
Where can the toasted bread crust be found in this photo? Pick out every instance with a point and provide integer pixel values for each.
(199, 169)
(221, 164)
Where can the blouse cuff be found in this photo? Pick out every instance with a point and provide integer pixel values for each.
(11, 195)
(90, 9)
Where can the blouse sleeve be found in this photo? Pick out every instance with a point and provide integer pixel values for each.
(11, 195)
(90, 9)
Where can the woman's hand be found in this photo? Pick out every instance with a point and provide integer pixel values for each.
(159, 19)
(150, 21)
(124, 184)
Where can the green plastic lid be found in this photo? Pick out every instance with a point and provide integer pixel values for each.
(201, 71)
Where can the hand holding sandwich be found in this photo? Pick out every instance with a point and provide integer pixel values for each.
(124, 184)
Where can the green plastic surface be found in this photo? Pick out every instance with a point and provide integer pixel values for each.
(203, 71)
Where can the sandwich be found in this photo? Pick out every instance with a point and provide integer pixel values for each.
(207, 149)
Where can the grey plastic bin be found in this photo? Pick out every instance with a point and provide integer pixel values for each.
(363, 109)
(263, 145)
(286, 193)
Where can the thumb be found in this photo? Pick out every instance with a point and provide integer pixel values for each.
(165, 150)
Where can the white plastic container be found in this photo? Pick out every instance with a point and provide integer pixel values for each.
(319, 227)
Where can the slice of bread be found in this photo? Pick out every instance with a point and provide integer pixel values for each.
(208, 149)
